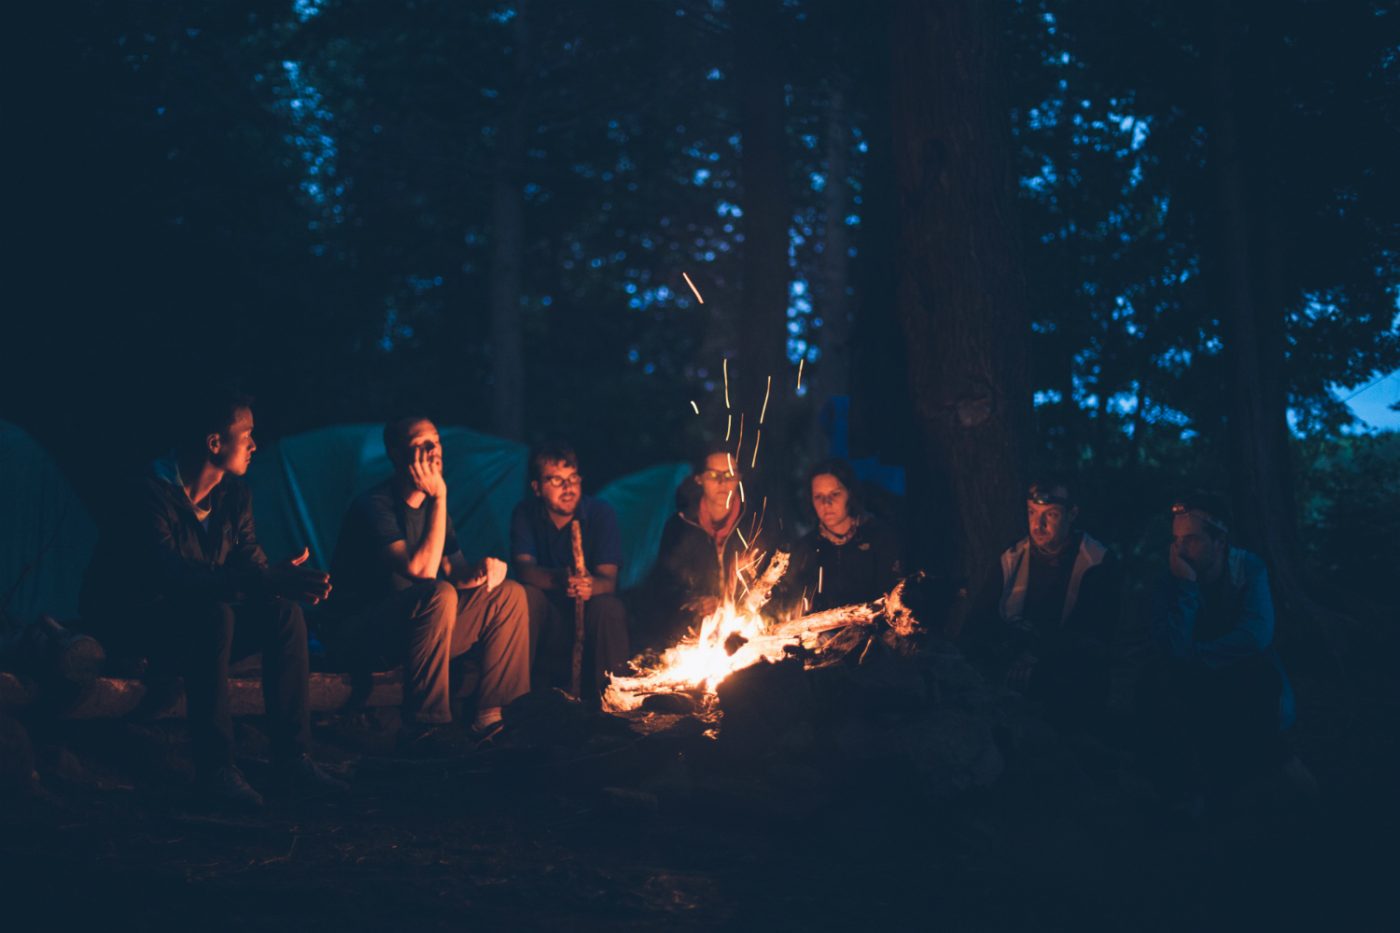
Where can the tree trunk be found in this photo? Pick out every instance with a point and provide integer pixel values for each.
(836, 242)
(1252, 308)
(508, 242)
(961, 296)
(762, 326)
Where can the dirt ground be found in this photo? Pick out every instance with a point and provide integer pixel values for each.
(584, 824)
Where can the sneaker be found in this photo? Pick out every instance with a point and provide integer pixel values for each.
(304, 775)
(228, 787)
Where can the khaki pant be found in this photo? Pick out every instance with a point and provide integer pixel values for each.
(431, 622)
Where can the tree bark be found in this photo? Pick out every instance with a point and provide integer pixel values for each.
(1246, 272)
(961, 296)
(762, 325)
(836, 243)
(508, 241)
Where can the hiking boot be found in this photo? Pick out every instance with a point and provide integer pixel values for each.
(303, 775)
(431, 740)
(228, 787)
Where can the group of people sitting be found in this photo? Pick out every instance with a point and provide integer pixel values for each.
(180, 578)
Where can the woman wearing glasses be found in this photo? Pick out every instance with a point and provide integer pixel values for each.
(711, 549)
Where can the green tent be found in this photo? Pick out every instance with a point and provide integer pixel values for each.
(303, 484)
(43, 527)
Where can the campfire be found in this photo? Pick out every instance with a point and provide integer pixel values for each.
(736, 636)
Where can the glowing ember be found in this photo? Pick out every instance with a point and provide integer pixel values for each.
(693, 288)
(695, 406)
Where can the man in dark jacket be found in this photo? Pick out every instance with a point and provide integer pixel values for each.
(711, 549)
(1048, 616)
(179, 577)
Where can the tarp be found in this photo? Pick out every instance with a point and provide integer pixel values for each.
(303, 484)
(643, 502)
(41, 523)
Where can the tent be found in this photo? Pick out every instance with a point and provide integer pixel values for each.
(303, 484)
(46, 536)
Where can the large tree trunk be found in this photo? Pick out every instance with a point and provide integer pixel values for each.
(508, 241)
(1246, 273)
(961, 295)
(762, 326)
(836, 243)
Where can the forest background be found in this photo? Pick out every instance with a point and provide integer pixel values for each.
(1152, 244)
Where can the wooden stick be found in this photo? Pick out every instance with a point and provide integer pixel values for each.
(576, 538)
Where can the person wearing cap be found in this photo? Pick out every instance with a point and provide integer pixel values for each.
(1048, 615)
(1216, 696)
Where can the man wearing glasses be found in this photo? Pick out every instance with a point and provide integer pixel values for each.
(1049, 617)
(1218, 696)
(541, 548)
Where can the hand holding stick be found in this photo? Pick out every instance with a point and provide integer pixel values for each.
(580, 569)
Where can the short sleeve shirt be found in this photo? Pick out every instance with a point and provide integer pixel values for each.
(533, 533)
(359, 573)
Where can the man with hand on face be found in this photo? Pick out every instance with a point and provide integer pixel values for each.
(1049, 614)
(1217, 697)
(410, 596)
(179, 577)
(542, 547)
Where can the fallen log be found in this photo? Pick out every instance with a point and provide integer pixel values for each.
(115, 697)
(52, 653)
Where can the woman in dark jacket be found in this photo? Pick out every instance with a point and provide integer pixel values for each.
(850, 557)
(710, 549)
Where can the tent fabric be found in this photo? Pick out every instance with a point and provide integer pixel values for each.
(643, 502)
(303, 484)
(42, 523)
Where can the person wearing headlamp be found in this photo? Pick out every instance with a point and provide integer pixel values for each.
(1217, 693)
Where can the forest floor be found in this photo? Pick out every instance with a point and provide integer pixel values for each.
(591, 826)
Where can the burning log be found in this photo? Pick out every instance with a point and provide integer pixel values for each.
(736, 637)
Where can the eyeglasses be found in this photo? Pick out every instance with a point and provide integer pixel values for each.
(1182, 508)
(720, 476)
(562, 482)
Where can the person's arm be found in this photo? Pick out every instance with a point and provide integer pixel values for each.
(1175, 609)
(889, 559)
(488, 572)
(528, 571)
(154, 527)
(424, 560)
(1255, 630)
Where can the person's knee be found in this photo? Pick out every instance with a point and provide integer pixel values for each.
(511, 597)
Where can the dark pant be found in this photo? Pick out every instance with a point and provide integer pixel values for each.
(425, 626)
(1208, 729)
(605, 642)
(198, 641)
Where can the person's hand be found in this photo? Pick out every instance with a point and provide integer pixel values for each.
(425, 469)
(293, 580)
(493, 570)
(580, 587)
(1179, 567)
(1019, 674)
